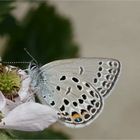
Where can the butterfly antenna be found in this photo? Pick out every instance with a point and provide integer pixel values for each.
(6, 62)
(30, 55)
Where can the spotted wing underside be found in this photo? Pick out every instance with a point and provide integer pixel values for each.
(76, 101)
(102, 73)
(76, 87)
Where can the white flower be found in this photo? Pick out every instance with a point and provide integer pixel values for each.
(20, 112)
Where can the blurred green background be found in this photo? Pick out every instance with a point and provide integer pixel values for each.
(47, 35)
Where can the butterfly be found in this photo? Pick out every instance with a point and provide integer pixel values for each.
(75, 88)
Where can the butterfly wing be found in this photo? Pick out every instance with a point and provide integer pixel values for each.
(76, 101)
(102, 73)
(72, 87)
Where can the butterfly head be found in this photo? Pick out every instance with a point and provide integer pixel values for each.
(33, 71)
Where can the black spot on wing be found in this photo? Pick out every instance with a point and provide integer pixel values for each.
(81, 70)
(66, 101)
(87, 85)
(63, 78)
(62, 108)
(91, 93)
(89, 107)
(75, 104)
(52, 103)
(95, 80)
(75, 79)
(99, 74)
(58, 88)
(79, 87)
(113, 75)
(84, 96)
(97, 104)
(93, 110)
(100, 69)
(86, 116)
(100, 63)
(80, 101)
(68, 90)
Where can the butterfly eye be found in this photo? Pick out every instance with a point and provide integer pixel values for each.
(32, 66)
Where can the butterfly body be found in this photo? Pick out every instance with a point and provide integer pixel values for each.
(76, 88)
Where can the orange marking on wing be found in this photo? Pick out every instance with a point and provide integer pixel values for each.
(76, 116)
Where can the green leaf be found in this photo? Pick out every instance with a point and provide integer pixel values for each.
(6, 135)
(5, 8)
(46, 34)
(46, 134)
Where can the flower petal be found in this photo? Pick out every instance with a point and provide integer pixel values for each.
(2, 101)
(10, 105)
(22, 73)
(23, 92)
(29, 116)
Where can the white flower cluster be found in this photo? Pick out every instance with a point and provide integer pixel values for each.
(22, 112)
